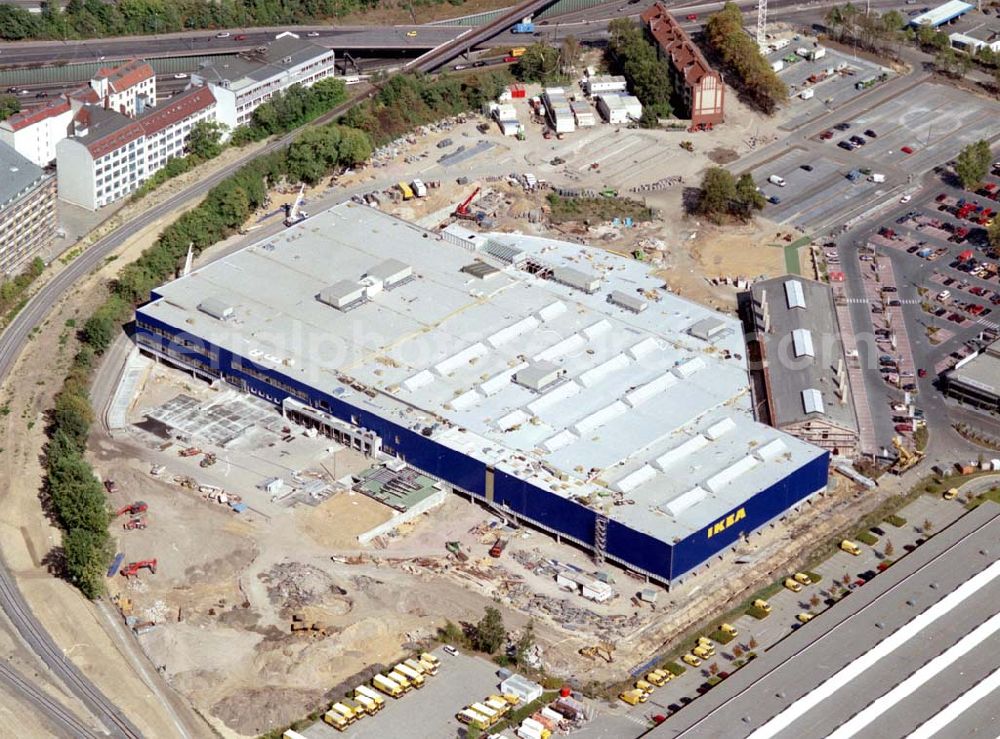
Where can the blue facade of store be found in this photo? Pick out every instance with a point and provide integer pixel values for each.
(659, 559)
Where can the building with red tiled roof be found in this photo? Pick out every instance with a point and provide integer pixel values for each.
(34, 133)
(110, 155)
(128, 88)
(700, 86)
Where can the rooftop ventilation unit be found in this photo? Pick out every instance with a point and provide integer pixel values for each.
(626, 301)
(539, 376)
(343, 295)
(802, 343)
(794, 295)
(217, 309)
(577, 279)
(812, 401)
(504, 252)
(391, 273)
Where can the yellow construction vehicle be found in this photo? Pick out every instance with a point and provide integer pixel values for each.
(905, 459)
(602, 650)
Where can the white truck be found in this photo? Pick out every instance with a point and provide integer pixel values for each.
(776, 180)
(419, 188)
(876, 177)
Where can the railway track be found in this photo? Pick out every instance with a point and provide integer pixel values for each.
(53, 710)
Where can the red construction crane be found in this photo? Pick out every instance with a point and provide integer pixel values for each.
(138, 506)
(462, 210)
(132, 569)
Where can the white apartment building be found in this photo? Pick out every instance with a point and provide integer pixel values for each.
(241, 84)
(34, 133)
(110, 155)
(128, 89)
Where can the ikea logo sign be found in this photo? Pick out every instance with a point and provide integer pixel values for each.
(719, 526)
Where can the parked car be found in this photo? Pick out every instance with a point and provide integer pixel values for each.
(692, 16)
(825, 136)
(240, 37)
(921, 372)
(870, 133)
(907, 149)
(224, 34)
(842, 126)
(906, 198)
(807, 167)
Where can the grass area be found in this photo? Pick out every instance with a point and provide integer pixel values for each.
(792, 265)
(674, 668)
(991, 494)
(597, 210)
(867, 537)
(714, 680)
(895, 520)
(814, 576)
(721, 637)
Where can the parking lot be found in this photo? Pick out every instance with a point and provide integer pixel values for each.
(913, 133)
(833, 78)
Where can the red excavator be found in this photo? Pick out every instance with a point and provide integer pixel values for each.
(137, 507)
(462, 209)
(132, 568)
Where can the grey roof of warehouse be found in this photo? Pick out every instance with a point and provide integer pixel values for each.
(803, 349)
(19, 175)
(981, 371)
(639, 408)
(258, 65)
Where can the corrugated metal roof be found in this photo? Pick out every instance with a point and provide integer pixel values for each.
(794, 295)
(812, 401)
(802, 343)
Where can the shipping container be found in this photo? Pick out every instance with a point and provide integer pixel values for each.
(405, 189)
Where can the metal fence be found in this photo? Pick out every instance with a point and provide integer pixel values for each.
(70, 73)
(557, 8)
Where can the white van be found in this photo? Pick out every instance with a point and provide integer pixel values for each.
(944, 296)
(775, 180)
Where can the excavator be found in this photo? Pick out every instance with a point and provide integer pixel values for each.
(462, 209)
(132, 509)
(132, 569)
(905, 459)
(602, 650)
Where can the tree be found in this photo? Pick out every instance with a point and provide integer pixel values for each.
(87, 554)
(814, 600)
(748, 197)
(490, 634)
(889, 548)
(99, 332)
(737, 651)
(538, 63)
(713, 669)
(9, 105)
(525, 643)
(973, 164)
(846, 579)
(927, 526)
(205, 139)
(648, 76)
(752, 643)
(718, 191)
(570, 52)
(726, 36)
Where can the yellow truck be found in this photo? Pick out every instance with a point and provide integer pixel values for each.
(401, 680)
(762, 605)
(410, 674)
(729, 629)
(498, 704)
(430, 668)
(701, 652)
(644, 686)
(659, 678)
(690, 659)
(414, 664)
(429, 658)
(471, 718)
(373, 695)
(371, 708)
(356, 706)
(792, 584)
(802, 578)
(491, 715)
(850, 547)
(405, 189)
(344, 711)
(511, 698)
(634, 696)
(387, 685)
(335, 720)
(950, 494)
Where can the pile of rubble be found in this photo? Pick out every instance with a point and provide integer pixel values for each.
(292, 585)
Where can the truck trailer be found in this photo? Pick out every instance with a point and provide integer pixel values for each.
(387, 686)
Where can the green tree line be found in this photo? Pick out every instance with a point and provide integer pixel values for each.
(729, 40)
(871, 31)
(723, 195)
(631, 54)
(97, 18)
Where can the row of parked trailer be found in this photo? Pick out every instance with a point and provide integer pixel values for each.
(487, 712)
(367, 700)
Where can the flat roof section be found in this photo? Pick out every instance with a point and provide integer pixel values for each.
(591, 390)
(897, 653)
(981, 372)
(942, 14)
(796, 321)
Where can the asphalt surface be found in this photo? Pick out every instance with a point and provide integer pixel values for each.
(810, 656)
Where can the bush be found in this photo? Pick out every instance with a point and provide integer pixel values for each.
(714, 680)
(867, 537)
(814, 576)
(721, 637)
(674, 668)
(896, 520)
